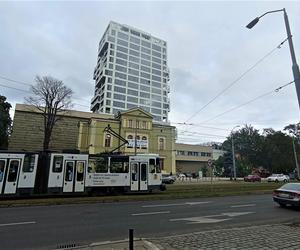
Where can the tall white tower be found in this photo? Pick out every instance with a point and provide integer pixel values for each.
(131, 71)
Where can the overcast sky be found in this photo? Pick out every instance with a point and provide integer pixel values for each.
(209, 49)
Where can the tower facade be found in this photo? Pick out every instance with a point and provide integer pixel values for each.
(131, 71)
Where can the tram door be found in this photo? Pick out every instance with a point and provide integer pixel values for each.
(12, 176)
(69, 176)
(2, 173)
(74, 176)
(79, 179)
(138, 176)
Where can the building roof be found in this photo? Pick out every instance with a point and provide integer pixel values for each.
(70, 113)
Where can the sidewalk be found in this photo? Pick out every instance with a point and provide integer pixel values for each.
(139, 244)
(278, 236)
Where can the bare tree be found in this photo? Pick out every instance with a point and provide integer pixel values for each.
(51, 97)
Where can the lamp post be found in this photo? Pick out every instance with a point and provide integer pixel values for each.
(233, 156)
(295, 66)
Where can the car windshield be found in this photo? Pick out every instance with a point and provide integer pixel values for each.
(291, 186)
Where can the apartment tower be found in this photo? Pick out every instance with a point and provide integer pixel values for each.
(131, 71)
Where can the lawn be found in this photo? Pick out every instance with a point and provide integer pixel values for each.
(178, 190)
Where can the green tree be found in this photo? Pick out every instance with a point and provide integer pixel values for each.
(278, 153)
(248, 145)
(5, 122)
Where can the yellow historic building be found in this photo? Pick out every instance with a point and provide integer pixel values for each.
(136, 126)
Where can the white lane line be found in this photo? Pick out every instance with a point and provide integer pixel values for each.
(178, 204)
(165, 205)
(17, 223)
(245, 205)
(162, 212)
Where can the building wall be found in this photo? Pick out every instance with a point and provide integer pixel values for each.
(191, 158)
(131, 71)
(93, 138)
(27, 133)
(189, 166)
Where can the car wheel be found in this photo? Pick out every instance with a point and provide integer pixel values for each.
(285, 180)
(276, 180)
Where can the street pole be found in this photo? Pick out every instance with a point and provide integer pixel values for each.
(295, 155)
(233, 155)
(295, 66)
(135, 135)
(233, 158)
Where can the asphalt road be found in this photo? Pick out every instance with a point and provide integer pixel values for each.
(49, 227)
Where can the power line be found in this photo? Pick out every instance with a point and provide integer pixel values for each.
(23, 90)
(28, 84)
(250, 101)
(198, 125)
(236, 80)
(12, 80)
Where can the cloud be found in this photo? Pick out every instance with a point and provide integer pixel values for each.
(208, 48)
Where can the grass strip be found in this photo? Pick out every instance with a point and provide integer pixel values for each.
(176, 191)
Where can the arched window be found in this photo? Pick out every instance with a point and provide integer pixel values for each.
(161, 143)
(107, 142)
(144, 142)
(130, 141)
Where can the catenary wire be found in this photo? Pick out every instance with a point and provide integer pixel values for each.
(236, 80)
(250, 101)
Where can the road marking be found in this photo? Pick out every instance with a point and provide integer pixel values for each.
(204, 219)
(234, 214)
(245, 205)
(178, 204)
(17, 223)
(212, 218)
(162, 212)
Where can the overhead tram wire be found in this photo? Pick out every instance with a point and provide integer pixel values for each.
(250, 101)
(198, 125)
(27, 91)
(28, 84)
(236, 80)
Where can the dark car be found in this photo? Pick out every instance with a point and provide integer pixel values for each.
(252, 178)
(288, 194)
(167, 179)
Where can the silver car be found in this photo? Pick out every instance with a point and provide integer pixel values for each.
(288, 194)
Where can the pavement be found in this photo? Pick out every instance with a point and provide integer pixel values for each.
(273, 236)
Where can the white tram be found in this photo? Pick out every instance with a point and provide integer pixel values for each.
(65, 173)
(17, 172)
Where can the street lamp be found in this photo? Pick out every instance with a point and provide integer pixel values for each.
(295, 66)
(233, 157)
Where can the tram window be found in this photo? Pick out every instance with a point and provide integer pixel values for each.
(118, 165)
(80, 171)
(28, 164)
(134, 170)
(13, 171)
(158, 166)
(69, 171)
(98, 165)
(2, 165)
(126, 167)
(57, 164)
(152, 166)
(143, 172)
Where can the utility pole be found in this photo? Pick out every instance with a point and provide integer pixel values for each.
(295, 153)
